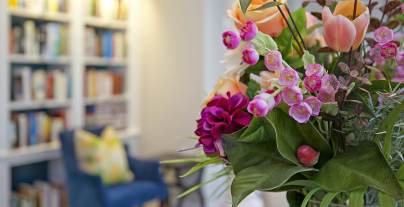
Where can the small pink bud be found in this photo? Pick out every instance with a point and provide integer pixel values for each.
(314, 69)
(288, 77)
(315, 105)
(231, 40)
(389, 50)
(312, 83)
(292, 95)
(250, 56)
(301, 112)
(273, 60)
(248, 31)
(384, 34)
(307, 156)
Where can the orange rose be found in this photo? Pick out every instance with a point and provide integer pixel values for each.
(269, 21)
(227, 85)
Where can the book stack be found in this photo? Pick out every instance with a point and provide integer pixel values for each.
(103, 83)
(39, 6)
(30, 84)
(40, 194)
(105, 114)
(103, 43)
(108, 9)
(31, 128)
(38, 39)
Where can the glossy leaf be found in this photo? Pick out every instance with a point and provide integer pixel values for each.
(259, 130)
(359, 167)
(328, 199)
(386, 201)
(308, 58)
(357, 198)
(263, 43)
(253, 88)
(244, 4)
(330, 108)
(309, 196)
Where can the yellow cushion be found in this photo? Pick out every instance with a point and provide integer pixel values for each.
(103, 156)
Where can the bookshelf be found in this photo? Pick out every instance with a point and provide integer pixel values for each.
(74, 62)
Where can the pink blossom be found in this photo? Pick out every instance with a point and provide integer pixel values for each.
(326, 94)
(383, 35)
(301, 112)
(312, 83)
(315, 105)
(292, 95)
(389, 50)
(399, 75)
(288, 77)
(250, 56)
(248, 31)
(273, 60)
(400, 57)
(376, 54)
(231, 40)
(261, 105)
(314, 69)
(330, 81)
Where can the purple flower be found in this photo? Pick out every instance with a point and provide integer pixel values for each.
(231, 40)
(250, 56)
(288, 77)
(314, 69)
(300, 112)
(261, 105)
(315, 105)
(330, 81)
(292, 95)
(222, 115)
(399, 75)
(400, 57)
(326, 94)
(312, 83)
(273, 60)
(389, 50)
(248, 31)
(383, 35)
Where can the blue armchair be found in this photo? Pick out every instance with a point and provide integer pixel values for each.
(87, 190)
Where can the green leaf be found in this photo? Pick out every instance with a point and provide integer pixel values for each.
(263, 43)
(308, 196)
(259, 130)
(252, 88)
(330, 108)
(290, 136)
(308, 58)
(267, 5)
(400, 175)
(388, 125)
(244, 4)
(294, 198)
(359, 167)
(328, 199)
(386, 200)
(357, 198)
(201, 165)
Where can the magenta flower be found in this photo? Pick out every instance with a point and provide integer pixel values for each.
(312, 83)
(314, 69)
(273, 60)
(383, 35)
(315, 105)
(248, 31)
(222, 115)
(300, 112)
(250, 56)
(389, 50)
(261, 105)
(400, 58)
(399, 75)
(288, 77)
(231, 40)
(292, 95)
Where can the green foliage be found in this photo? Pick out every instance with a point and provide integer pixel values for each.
(356, 198)
(309, 196)
(253, 88)
(244, 4)
(386, 200)
(254, 69)
(328, 199)
(308, 58)
(259, 130)
(330, 108)
(263, 43)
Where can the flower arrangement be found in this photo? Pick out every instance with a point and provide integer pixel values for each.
(311, 103)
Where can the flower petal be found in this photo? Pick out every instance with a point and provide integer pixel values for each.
(339, 32)
(361, 25)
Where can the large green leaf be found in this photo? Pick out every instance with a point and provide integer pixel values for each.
(357, 198)
(259, 130)
(359, 167)
(290, 136)
(244, 4)
(263, 43)
(386, 200)
(388, 125)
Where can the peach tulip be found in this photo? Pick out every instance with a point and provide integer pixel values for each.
(269, 20)
(227, 85)
(343, 32)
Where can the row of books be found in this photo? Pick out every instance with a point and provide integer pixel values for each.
(30, 84)
(40, 194)
(104, 43)
(39, 6)
(37, 127)
(103, 83)
(107, 114)
(108, 9)
(38, 39)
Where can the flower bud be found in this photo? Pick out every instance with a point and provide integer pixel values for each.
(250, 56)
(307, 156)
(231, 40)
(273, 60)
(248, 31)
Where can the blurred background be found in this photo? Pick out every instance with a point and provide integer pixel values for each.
(142, 67)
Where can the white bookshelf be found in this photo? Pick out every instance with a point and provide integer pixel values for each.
(75, 63)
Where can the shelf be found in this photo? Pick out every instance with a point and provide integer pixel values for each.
(46, 16)
(31, 154)
(112, 99)
(105, 23)
(37, 60)
(105, 62)
(33, 105)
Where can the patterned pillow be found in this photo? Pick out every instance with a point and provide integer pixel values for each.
(103, 156)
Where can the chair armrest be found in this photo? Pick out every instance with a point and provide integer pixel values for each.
(86, 189)
(146, 169)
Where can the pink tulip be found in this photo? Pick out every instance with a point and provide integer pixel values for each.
(342, 33)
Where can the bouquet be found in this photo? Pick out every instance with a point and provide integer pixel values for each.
(311, 103)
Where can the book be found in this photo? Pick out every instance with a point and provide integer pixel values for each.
(39, 85)
(103, 84)
(60, 89)
(108, 9)
(106, 44)
(39, 194)
(22, 127)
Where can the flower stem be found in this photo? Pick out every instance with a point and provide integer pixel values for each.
(353, 18)
(384, 11)
(294, 24)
